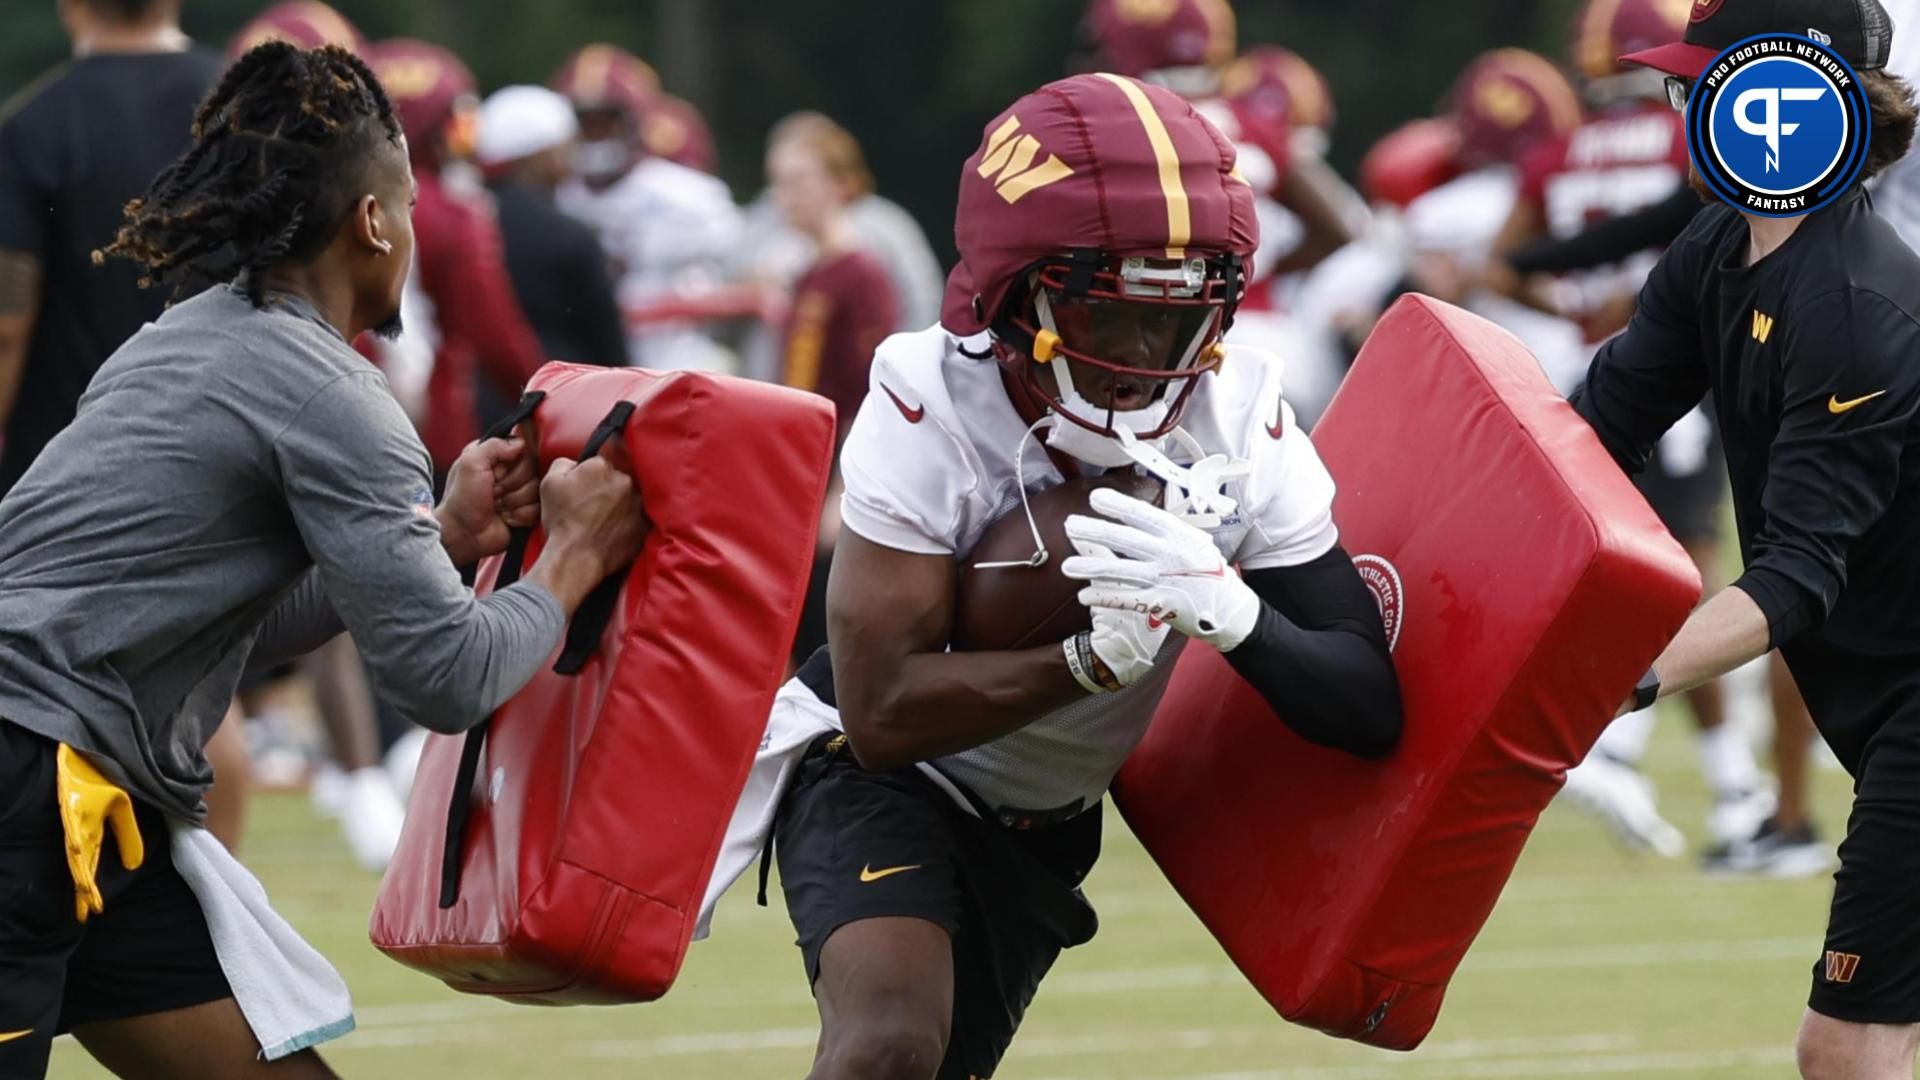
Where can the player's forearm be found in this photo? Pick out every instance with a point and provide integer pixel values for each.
(1334, 688)
(1720, 635)
(942, 703)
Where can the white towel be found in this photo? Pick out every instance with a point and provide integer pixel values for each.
(292, 998)
(797, 718)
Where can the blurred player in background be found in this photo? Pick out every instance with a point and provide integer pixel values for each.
(74, 147)
(932, 855)
(526, 143)
(479, 330)
(667, 228)
(1630, 158)
(1631, 153)
(843, 305)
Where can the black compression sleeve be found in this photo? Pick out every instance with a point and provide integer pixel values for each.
(1609, 241)
(1318, 655)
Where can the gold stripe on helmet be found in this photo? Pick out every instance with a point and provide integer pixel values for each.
(1179, 215)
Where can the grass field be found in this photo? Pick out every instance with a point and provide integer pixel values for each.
(1596, 963)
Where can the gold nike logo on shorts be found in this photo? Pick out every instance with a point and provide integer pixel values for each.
(1836, 406)
(869, 874)
(9, 1036)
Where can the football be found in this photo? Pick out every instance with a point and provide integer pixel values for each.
(1022, 606)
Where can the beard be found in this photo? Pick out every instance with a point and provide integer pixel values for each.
(1699, 185)
(390, 328)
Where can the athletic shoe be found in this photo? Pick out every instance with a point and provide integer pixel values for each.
(1773, 852)
(1738, 816)
(1623, 800)
(371, 816)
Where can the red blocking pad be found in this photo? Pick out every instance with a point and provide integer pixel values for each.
(599, 799)
(1528, 587)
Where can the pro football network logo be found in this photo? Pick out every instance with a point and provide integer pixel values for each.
(1383, 581)
(1778, 125)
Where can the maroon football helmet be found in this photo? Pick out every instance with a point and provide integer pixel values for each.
(1176, 42)
(1102, 222)
(1606, 30)
(433, 94)
(306, 23)
(1507, 102)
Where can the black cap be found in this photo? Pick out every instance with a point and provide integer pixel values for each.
(1858, 31)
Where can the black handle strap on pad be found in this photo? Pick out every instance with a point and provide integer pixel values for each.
(589, 623)
(583, 638)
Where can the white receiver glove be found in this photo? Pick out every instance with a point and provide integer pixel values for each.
(1160, 567)
(1119, 649)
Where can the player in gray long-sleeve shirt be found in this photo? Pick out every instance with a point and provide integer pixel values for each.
(238, 486)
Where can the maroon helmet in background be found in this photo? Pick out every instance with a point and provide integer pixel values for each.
(611, 90)
(1101, 190)
(434, 94)
(1509, 101)
(1277, 82)
(1182, 44)
(1410, 161)
(1606, 30)
(675, 130)
(306, 23)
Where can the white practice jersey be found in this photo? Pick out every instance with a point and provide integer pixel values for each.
(669, 230)
(930, 464)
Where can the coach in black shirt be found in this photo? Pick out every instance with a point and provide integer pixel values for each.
(74, 147)
(1804, 331)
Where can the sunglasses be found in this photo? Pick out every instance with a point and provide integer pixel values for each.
(1678, 91)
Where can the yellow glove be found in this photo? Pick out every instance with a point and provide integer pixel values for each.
(89, 803)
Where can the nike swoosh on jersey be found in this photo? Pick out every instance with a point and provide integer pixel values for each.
(869, 874)
(1836, 406)
(913, 416)
(9, 1036)
(1277, 430)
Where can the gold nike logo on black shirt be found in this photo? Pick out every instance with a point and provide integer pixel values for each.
(1836, 406)
(869, 874)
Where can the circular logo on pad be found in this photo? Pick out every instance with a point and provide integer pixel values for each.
(1383, 581)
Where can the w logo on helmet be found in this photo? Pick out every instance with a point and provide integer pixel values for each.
(1008, 163)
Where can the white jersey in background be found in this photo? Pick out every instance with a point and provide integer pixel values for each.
(930, 464)
(667, 229)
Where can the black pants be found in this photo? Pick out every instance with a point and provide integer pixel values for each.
(856, 845)
(147, 952)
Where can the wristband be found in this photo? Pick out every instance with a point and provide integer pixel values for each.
(1080, 661)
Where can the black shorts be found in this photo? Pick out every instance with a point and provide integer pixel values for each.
(147, 952)
(855, 845)
(1689, 504)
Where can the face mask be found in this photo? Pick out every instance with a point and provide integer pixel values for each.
(602, 159)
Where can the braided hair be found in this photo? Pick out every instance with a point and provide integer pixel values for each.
(282, 148)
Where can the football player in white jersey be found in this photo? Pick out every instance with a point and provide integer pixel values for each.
(932, 851)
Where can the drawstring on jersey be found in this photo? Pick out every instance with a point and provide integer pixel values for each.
(1040, 554)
